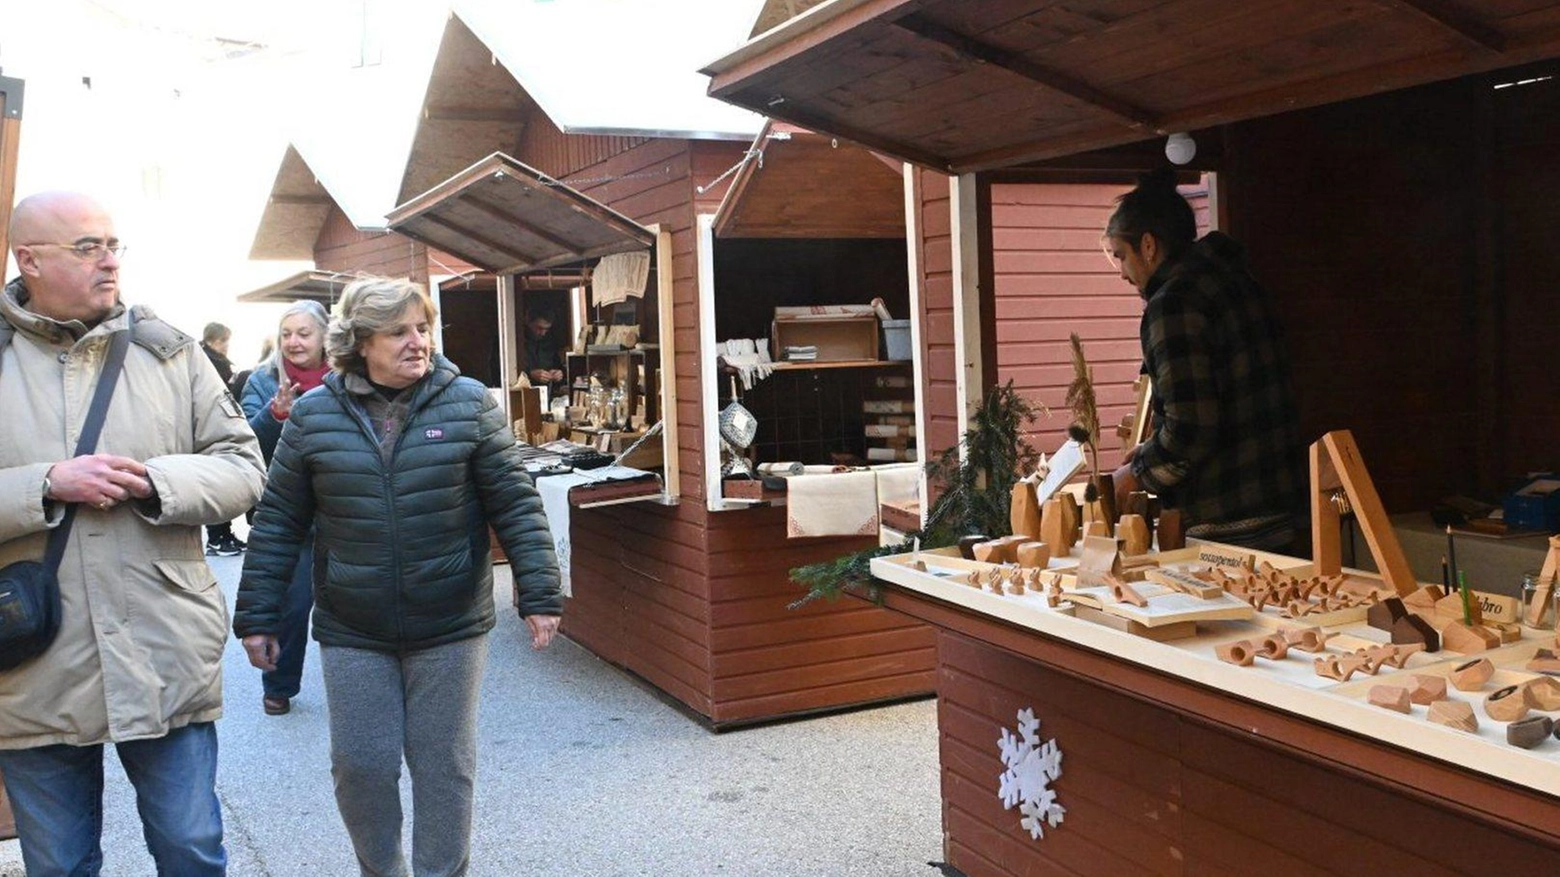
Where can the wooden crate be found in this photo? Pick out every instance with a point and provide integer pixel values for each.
(838, 339)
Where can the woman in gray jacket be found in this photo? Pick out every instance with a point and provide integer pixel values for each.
(399, 465)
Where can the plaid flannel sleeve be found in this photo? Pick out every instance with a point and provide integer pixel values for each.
(1176, 347)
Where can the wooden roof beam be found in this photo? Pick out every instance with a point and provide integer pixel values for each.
(972, 49)
(521, 259)
(306, 200)
(508, 218)
(1436, 12)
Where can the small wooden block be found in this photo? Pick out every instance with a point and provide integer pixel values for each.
(1508, 633)
(1412, 629)
(1105, 484)
(1471, 675)
(1125, 593)
(1157, 633)
(1391, 697)
(1529, 732)
(1543, 694)
(1095, 529)
(1545, 661)
(1024, 511)
(1098, 560)
(1170, 530)
(1133, 532)
(1072, 522)
(1137, 504)
(1241, 654)
(1459, 637)
(1034, 555)
(1450, 608)
(1427, 689)
(1454, 714)
(1422, 602)
(1307, 639)
(1185, 583)
(967, 546)
(1506, 704)
(1385, 614)
(1273, 646)
(1498, 608)
(1053, 526)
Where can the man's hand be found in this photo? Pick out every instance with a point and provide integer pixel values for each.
(263, 650)
(101, 480)
(1126, 482)
(542, 629)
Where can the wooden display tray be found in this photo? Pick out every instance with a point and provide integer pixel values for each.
(1290, 684)
(845, 338)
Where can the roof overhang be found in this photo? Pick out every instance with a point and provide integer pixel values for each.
(322, 286)
(507, 218)
(969, 85)
(799, 184)
(294, 213)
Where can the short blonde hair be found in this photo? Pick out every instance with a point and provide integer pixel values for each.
(369, 306)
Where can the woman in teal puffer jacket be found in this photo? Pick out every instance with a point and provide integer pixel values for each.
(400, 465)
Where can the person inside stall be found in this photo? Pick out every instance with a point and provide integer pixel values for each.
(543, 355)
(1225, 444)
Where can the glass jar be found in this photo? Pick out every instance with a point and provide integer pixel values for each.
(1530, 592)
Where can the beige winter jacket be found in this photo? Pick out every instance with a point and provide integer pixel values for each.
(139, 651)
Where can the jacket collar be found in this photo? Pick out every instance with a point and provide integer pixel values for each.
(440, 375)
(13, 307)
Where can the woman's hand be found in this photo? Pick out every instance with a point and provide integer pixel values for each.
(263, 650)
(282, 402)
(542, 629)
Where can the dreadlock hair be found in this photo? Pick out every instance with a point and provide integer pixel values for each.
(1154, 207)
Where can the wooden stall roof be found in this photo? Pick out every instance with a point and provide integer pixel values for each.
(294, 213)
(507, 218)
(968, 85)
(798, 184)
(322, 286)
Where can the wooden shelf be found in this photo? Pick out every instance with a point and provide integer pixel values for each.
(851, 363)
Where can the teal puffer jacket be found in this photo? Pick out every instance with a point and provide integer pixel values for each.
(401, 549)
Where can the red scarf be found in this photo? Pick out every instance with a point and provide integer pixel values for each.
(306, 379)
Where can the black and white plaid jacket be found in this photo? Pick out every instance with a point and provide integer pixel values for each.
(1225, 447)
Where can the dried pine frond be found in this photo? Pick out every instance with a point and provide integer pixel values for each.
(1080, 398)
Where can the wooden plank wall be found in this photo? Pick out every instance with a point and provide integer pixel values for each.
(1371, 248)
(1148, 791)
(341, 246)
(694, 602)
(1051, 278)
(934, 263)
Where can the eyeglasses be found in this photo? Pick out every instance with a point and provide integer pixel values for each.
(91, 251)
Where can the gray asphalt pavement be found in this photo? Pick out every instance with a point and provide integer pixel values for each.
(584, 771)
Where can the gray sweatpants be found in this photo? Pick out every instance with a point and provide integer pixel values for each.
(422, 705)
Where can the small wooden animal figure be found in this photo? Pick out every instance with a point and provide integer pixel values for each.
(1506, 704)
(1133, 531)
(1015, 581)
(1241, 654)
(1391, 697)
(1454, 714)
(1053, 594)
(1543, 694)
(1530, 732)
(1035, 555)
(1427, 689)
(1471, 675)
(1307, 639)
(1034, 580)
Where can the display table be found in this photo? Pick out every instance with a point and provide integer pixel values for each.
(1178, 763)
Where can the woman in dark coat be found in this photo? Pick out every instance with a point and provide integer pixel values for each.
(400, 465)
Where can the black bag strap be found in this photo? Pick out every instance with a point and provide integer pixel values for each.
(90, 430)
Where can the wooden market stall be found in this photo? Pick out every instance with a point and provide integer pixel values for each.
(12, 91)
(1383, 164)
(691, 600)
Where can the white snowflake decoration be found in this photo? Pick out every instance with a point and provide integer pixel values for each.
(1031, 768)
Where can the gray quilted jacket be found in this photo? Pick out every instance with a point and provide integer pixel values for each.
(401, 547)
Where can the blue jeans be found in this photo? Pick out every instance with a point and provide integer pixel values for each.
(57, 795)
(293, 637)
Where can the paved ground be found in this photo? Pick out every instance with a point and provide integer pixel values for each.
(584, 772)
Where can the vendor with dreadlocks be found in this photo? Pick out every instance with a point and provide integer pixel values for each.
(1224, 447)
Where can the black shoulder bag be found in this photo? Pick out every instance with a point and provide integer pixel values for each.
(30, 589)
